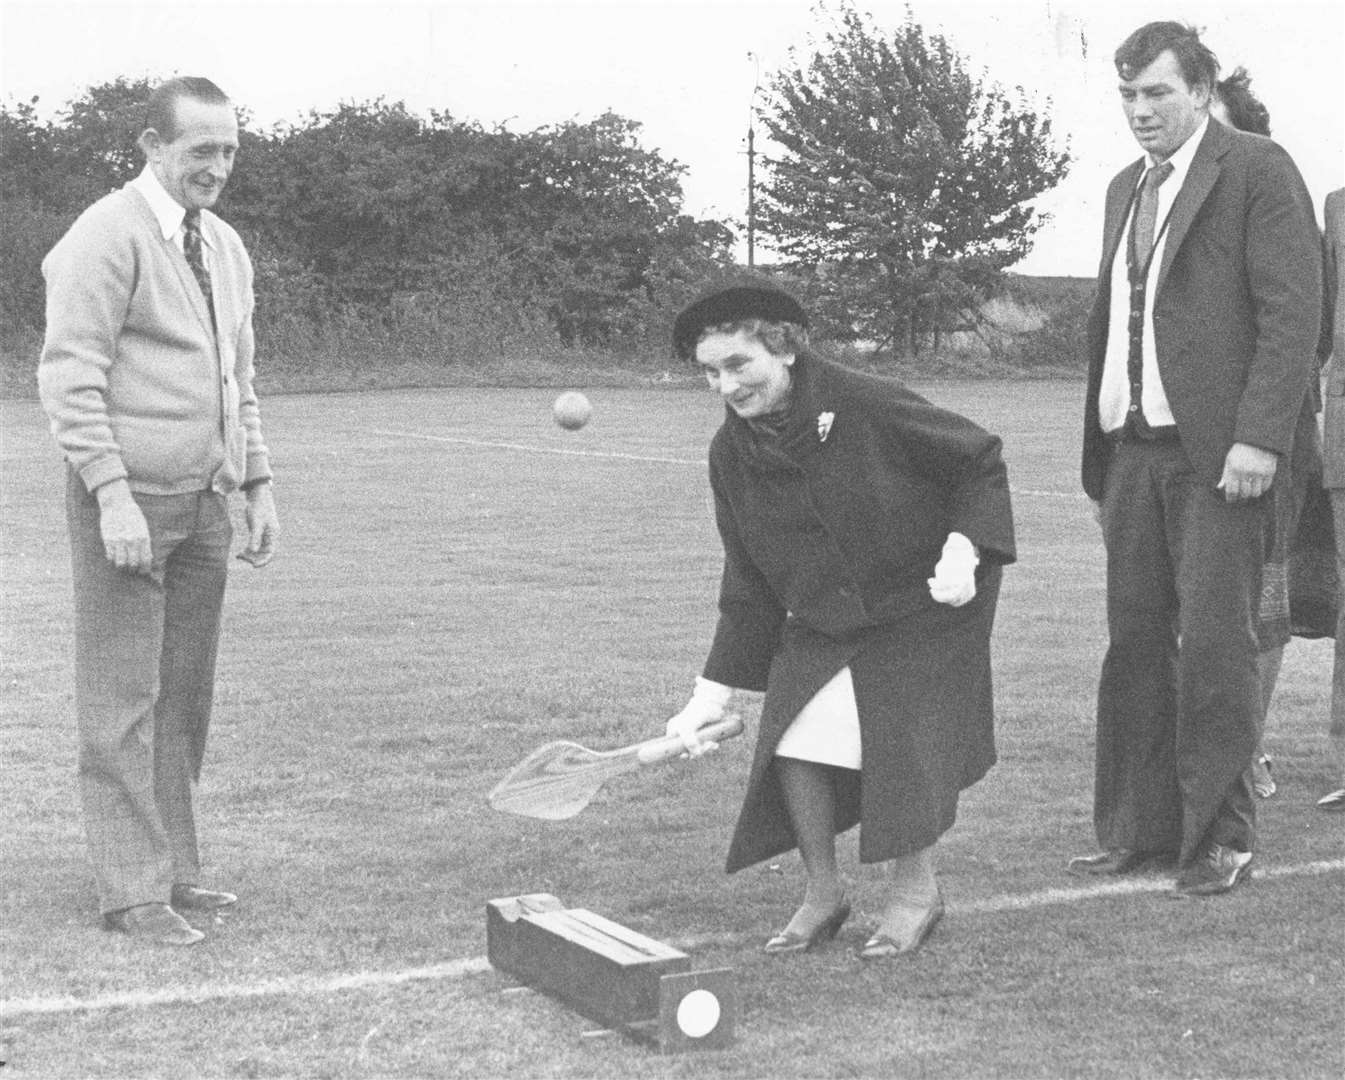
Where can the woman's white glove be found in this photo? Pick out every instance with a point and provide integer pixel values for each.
(954, 580)
(707, 705)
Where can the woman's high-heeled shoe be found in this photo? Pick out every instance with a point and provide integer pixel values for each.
(790, 941)
(910, 938)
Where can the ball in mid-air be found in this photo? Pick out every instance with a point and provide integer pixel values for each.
(572, 410)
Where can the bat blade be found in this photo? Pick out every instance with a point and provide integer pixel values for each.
(559, 779)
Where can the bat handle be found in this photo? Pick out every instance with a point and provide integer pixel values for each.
(671, 746)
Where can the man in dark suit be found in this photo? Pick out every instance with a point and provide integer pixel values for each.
(1201, 349)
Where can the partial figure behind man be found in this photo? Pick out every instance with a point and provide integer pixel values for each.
(1333, 476)
(1297, 497)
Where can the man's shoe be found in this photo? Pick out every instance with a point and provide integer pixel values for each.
(157, 924)
(1263, 781)
(1218, 869)
(1335, 800)
(190, 898)
(1115, 861)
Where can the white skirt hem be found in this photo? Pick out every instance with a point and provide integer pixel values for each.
(826, 730)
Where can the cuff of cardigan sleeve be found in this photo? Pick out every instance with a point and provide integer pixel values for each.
(102, 471)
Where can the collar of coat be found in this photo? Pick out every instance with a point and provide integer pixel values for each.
(809, 420)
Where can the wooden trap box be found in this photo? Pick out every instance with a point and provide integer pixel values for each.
(610, 973)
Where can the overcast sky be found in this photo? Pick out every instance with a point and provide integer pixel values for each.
(685, 69)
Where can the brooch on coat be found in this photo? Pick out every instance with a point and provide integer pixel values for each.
(824, 421)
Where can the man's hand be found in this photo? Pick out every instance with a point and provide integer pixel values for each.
(124, 529)
(263, 526)
(1248, 472)
(954, 580)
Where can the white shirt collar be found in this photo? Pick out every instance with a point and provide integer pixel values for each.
(1183, 156)
(167, 210)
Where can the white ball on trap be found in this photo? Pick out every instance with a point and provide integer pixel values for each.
(698, 1014)
(572, 410)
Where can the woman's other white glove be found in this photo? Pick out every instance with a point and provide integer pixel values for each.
(954, 580)
(707, 705)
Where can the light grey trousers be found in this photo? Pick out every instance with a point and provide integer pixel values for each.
(145, 649)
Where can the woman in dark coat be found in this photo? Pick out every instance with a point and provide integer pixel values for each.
(864, 530)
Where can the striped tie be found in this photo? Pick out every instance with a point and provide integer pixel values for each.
(191, 247)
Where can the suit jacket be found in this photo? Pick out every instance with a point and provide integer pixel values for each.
(1237, 303)
(1334, 420)
(136, 380)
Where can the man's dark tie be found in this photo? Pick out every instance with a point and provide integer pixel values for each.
(1146, 216)
(191, 247)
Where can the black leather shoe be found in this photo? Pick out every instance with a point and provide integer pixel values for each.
(1115, 861)
(1263, 777)
(190, 898)
(1217, 869)
(157, 924)
(1333, 801)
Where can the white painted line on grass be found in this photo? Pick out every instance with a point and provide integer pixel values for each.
(195, 995)
(532, 449)
(528, 448)
(457, 969)
(1127, 887)
(1038, 494)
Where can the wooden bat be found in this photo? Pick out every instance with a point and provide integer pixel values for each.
(559, 779)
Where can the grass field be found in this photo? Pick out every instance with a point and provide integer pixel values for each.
(460, 581)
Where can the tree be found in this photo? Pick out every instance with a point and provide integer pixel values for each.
(372, 213)
(49, 172)
(88, 151)
(356, 195)
(577, 220)
(599, 218)
(905, 183)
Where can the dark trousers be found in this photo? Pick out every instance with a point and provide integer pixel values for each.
(145, 650)
(1179, 698)
(1338, 682)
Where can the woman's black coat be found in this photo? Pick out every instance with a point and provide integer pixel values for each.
(831, 530)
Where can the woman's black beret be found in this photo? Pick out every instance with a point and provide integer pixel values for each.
(732, 305)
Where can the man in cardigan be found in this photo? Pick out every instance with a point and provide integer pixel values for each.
(146, 375)
(1201, 348)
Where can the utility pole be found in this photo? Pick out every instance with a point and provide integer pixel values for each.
(751, 166)
(751, 199)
